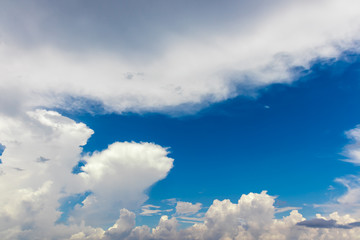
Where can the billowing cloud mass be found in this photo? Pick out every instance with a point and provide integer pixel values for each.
(57, 56)
(252, 218)
(119, 175)
(42, 147)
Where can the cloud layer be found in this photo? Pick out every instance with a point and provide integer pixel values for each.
(197, 63)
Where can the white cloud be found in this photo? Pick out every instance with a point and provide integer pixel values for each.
(252, 218)
(148, 210)
(352, 151)
(29, 199)
(192, 69)
(123, 169)
(187, 207)
(349, 202)
(116, 177)
(286, 209)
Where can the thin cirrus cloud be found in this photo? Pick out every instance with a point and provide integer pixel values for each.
(191, 65)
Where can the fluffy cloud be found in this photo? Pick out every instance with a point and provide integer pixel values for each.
(123, 169)
(251, 218)
(187, 207)
(184, 66)
(42, 147)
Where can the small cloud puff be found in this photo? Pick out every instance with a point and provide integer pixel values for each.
(187, 208)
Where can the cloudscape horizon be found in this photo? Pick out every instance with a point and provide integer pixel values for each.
(179, 120)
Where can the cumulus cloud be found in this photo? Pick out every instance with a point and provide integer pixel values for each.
(46, 146)
(251, 218)
(256, 45)
(123, 169)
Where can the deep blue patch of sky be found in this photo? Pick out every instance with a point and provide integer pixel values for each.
(2, 148)
(287, 141)
(77, 168)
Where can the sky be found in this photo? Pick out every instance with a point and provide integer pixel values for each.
(179, 119)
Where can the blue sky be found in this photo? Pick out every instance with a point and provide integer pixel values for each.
(288, 140)
(179, 120)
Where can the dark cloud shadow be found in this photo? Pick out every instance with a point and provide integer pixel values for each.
(322, 223)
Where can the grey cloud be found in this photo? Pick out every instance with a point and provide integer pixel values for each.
(322, 223)
(123, 25)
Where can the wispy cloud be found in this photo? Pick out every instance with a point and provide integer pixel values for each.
(286, 209)
(149, 210)
(349, 201)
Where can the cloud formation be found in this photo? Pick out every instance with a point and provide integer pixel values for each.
(153, 65)
(349, 202)
(323, 223)
(31, 208)
(42, 147)
(252, 218)
(187, 207)
(193, 64)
